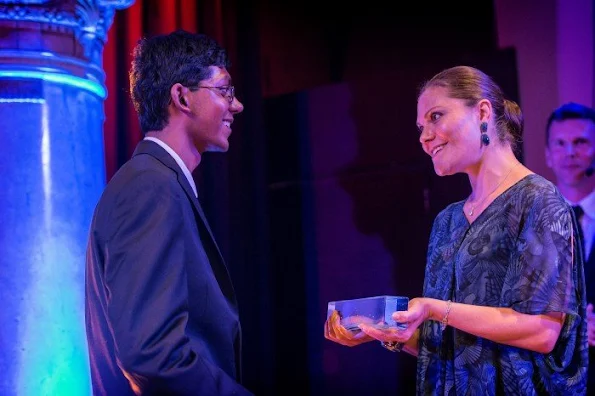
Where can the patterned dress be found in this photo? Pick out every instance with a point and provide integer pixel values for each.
(516, 254)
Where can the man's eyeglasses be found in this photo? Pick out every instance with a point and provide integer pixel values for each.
(227, 91)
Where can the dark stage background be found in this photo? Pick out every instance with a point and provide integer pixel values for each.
(325, 193)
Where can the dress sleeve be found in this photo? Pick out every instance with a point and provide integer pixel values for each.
(546, 275)
(544, 268)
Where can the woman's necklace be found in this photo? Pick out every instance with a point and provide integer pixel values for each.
(495, 188)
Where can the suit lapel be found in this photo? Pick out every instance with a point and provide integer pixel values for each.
(209, 243)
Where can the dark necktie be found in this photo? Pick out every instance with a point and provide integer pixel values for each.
(578, 213)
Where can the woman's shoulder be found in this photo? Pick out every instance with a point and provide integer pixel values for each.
(538, 193)
(538, 183)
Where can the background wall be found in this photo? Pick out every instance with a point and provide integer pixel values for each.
(553, 40)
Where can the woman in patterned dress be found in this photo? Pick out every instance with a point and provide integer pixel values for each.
(503, 306)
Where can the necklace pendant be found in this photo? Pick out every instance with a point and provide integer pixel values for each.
(471, 212)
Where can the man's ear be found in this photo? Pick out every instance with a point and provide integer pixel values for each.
(177, 95)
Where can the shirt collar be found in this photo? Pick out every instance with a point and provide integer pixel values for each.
(178, 160)
(587, 203)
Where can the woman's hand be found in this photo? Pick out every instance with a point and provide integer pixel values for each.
(415, 315)
(335, 331)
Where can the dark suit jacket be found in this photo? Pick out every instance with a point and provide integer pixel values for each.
(161, 313)
(590, 288)
(590, 276)
(590, 292)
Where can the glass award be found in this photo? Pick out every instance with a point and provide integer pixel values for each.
(376, 311)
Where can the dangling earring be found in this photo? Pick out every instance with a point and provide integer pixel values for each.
(485, 139)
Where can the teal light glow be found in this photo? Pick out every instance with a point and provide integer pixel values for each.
(22, 100)
(57, 78)
(53, 359)
(52, 184)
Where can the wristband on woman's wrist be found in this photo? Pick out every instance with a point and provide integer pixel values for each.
(444, 321)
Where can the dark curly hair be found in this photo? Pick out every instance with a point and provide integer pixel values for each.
(164, 60)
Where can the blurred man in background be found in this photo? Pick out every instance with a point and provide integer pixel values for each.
(570, 153)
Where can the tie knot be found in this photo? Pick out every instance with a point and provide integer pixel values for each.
(578, 211)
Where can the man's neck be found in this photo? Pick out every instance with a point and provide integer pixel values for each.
(576, 193)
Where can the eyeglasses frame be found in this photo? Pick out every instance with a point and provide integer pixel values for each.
(227, 91)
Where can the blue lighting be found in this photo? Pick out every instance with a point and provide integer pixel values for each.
(51, 186)
(52, 170)
(22, 100)
(57, 78)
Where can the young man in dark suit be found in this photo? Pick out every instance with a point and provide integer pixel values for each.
(570, 153)
(161, 313)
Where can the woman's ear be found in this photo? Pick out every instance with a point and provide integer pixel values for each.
(485, 110)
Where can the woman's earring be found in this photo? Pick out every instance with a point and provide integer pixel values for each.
(485, 139)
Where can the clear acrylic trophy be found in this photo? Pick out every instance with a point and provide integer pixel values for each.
(376, 311)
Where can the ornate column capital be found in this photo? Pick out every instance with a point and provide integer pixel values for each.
(56, 39)
(47, 25)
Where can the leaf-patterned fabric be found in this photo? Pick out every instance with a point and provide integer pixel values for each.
(518, 253)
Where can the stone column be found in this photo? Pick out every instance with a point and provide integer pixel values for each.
(51, 173)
